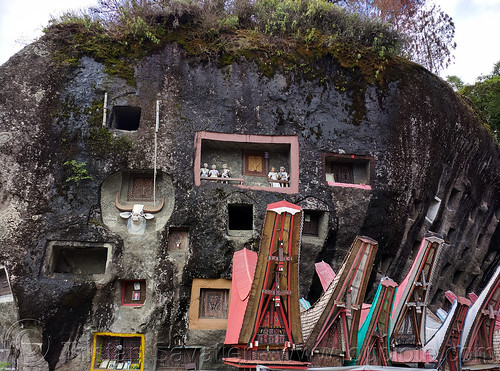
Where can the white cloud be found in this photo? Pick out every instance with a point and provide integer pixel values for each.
(22, 21)
(476, 23)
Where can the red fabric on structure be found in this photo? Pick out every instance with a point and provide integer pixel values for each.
(365, 309)
(412, 356)
(403, 284)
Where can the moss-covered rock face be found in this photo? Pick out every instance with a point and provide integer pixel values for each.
(431, 166)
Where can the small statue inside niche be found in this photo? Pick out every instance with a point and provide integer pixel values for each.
(283, 175)
(273, 175)
(226, 173)
(204, 171)
(214, 173)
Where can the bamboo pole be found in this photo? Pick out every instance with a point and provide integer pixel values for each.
(157, 126)
(104, 110)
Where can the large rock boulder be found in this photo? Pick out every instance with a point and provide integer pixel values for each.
(428, 163)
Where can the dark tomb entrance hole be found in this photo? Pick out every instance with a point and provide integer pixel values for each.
(240, 217)
(74, 260)
(125, 118)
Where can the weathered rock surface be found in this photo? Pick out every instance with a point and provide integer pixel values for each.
(435, 168)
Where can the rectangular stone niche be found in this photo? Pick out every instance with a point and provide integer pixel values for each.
(138, 187)
(78, 258)
(348, 170)
(314, 226)
(249, 159)
(209, 304)
(178, 239)
(240, 217)
(133, 292)
(113, 351)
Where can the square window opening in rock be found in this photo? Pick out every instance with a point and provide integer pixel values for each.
(79, 260)
(348, 169)
(209, 302)
(213, 303)
(240, 217)
(133, 292)
(178, 239)
(125, 118)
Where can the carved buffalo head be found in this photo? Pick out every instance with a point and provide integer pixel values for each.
(137, 215)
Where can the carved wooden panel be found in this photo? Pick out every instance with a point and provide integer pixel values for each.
(140, 188)
(213, 303)
(269, 355)
(272, 329)
(254, 163)
(407, 331)
(342, 172)
(311, 223)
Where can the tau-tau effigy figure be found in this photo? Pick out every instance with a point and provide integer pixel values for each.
(204, 171)
(283, 175)
(273, 175)
(214, 173)
(226, 173)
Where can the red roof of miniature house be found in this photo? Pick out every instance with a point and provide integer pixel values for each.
(325, 273)
(244, 263)
(283, 206)
(450, 295)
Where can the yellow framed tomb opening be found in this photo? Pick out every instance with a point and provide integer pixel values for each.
(116, 351)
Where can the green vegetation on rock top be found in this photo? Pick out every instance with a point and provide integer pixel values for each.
(277, 35)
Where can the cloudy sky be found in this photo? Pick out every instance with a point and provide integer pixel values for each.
(476, 25)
